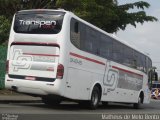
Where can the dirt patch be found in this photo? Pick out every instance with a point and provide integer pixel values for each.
(8, 92)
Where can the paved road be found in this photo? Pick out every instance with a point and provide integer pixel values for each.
(72, 111)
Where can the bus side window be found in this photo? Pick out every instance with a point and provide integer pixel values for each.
(75, 33)
(134, 64)
(76, 27)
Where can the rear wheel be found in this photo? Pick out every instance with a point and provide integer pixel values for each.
(95, 98)
(138, 105)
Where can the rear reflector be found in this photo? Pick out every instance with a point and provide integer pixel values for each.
(60, 71)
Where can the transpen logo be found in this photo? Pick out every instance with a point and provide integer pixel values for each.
(20, 61)
(38, 22)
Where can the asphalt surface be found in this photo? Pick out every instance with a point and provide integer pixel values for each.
(17, 108)
(19, 99)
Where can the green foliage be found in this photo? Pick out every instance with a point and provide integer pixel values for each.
(98, 12)
(132, 18)
(4, 29)
(38, 4)
(139, 5)
(106, 14)
(9, 7)
(3, 53)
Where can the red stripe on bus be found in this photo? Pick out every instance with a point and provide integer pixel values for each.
(86, 58)
(127, 71)
(41, 55)
(35, 43)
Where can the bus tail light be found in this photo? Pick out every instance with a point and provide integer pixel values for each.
(60, 71)
(7, 66)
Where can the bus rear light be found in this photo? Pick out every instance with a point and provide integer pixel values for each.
(60, 71)
(7, 66)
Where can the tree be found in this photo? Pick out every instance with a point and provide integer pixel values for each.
(38, 4)
(9, 7)
(126, 18)
(4, 29)
(106, 14)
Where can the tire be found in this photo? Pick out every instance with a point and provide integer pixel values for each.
(50, 101)
(138, 105)
(95, 98)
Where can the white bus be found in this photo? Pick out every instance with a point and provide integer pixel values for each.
(56, 55)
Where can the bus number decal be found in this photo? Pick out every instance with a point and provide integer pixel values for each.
(76, 61)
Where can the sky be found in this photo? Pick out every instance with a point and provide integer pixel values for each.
(146, 37)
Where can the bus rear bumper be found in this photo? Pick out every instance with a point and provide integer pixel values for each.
(33, 87)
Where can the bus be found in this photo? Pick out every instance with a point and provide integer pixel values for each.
(55, 55)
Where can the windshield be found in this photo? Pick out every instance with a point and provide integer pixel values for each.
(38, 22)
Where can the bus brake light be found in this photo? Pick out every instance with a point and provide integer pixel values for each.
(60, 71)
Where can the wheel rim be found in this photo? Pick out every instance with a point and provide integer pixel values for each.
(139, 100)
(95, 98)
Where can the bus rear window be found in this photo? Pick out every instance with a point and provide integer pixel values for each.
(38, 22)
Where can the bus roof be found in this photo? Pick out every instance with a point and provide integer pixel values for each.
(61, 10)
